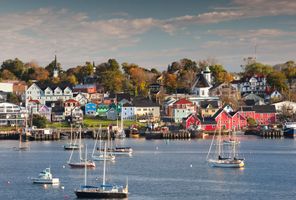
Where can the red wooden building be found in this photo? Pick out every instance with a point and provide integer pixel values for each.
(262, 114)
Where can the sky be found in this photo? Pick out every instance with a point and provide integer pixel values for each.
(150, 33)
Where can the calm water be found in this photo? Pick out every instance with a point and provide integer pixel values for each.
(158, 169)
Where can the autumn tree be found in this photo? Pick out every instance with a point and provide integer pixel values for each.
(170, 81)
(7, 75)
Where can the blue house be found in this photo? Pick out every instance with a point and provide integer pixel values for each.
(91, 109)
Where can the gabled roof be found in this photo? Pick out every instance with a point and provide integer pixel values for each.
(144, 102)
(246, 108)
(201, 82)
(121, 96)
(182, 101)
(219, 112)
(206, 104)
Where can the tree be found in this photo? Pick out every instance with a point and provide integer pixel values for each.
(13, 98)
(277, 80)
(15, 66)
(39, 121)
(7, 75)
(258, 68)
(110, 75)
(251, 121)
(170, 81)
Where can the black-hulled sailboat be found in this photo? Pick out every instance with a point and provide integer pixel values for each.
(104, 191)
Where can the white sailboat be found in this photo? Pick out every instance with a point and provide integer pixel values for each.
(104, 191)
(101, 155)
(82, 162)
(72, 145)
(120, 130)
(224, 159)
(117, 150)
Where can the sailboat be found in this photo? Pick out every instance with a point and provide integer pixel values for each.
(117, 150)
(83, 162)
(101, 156)
(231, 140)
(222, 160)
(104, 191)
(71, 145)
(120, 131)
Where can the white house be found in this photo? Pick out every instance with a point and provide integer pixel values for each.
(80, 97)
(253, 84)
(43, 95)
(128, 111)
(202, 84)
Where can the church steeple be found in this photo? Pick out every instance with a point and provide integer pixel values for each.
(55, 69)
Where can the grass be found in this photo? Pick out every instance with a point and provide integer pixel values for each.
(8, 128)
(95, 123)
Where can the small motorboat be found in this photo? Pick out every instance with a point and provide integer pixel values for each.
(45, 177)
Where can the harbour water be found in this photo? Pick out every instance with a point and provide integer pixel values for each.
(158, 169)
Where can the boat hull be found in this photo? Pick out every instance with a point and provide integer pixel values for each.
(82, 165)
(227, 163)
(83, 194)
(46, 181)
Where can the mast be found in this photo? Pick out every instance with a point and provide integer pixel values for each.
(71, 135)
(85, 167)
(80, 143)
(104, 170)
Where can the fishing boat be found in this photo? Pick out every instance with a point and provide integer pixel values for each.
(103, 191)
(82, 162)
(72, 145)
(101, 156)
(223, 158)
(45, 177)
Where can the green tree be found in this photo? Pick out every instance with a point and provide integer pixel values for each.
(277, 80)
(15, 66)
(251, 121)
(7, 75)
(13, 98)
(39, 121)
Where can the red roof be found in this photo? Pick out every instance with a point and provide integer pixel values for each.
(182, 101)
(34, 101)
(71, 101)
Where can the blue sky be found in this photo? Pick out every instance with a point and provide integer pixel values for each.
(150, 33)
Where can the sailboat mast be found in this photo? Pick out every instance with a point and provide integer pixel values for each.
(80, 143)
(219, 138)
(85, 167)
(104, 170)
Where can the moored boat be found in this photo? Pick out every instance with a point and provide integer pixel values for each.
(45, 177)
(104, 191)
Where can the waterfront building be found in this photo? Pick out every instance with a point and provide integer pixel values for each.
(45, 111)
(182, 108)
(3, 96)
(128, 112)
(80, 97)
(12, 115)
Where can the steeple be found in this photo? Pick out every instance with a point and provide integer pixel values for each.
(55, 69)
